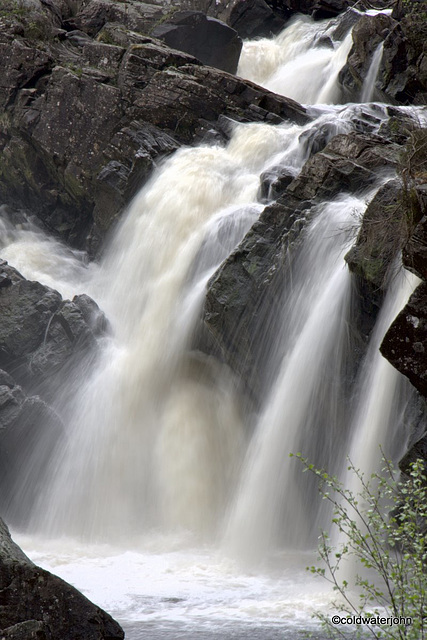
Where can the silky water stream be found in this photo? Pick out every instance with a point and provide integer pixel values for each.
(168, 505)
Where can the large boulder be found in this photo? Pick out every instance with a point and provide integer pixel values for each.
(208, 39)
(36, 604)
(255, 18)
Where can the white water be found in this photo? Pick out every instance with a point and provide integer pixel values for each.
(382, 393)
(271, 505)
(298, 63)
(154, 468)
(368, 89)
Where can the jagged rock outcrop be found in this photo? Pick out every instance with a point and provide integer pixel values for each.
(372, 258)
(246, 290)
(40, 334)
(368, 34)
(402, 77)
(36, 604)
(85, 120)
(405, 343)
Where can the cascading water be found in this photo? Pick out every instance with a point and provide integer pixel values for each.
(154, 462)
(302, 63)
(382, 393)
(368, 89)
(273, 504)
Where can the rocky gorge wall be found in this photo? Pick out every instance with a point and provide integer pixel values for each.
(91, 100)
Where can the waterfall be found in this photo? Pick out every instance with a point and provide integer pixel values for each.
(382, 393)
(167, 498)
(118, 471)
(303, 62)
(368, 89)
(273, 504)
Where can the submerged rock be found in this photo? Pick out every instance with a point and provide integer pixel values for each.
(36, 604)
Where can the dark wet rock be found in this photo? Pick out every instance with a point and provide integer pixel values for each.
(207, 39)
(402, 76)
(255, 18)
(40, 334)
(29, 630)
(347, 163)
(36, 604)
(344, 23)
(324, 9)
(415, 422)
(131, 155)
(415, 251)
(383, 233)
(273, 183)
(403, 73)
(368, 34)
(86, 121)
(244, 295)
(405, 343)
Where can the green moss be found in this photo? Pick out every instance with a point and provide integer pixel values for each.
(106, 38)
(75, 69)
(12, 9)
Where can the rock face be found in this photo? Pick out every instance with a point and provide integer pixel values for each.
(245, 291)
(208, 39)
(36, 604)
(372, 257)
(42, 341)
(86, 119)
(402, 76)
(405, 343)
(40, 334)
(255, 18)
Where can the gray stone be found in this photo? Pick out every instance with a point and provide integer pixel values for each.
(207, 39)
(36, 604)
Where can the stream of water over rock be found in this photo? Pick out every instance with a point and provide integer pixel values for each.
(167, 504)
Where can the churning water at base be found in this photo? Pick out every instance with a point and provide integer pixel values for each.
(182, 522)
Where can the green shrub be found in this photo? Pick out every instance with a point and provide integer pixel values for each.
(382, 532)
